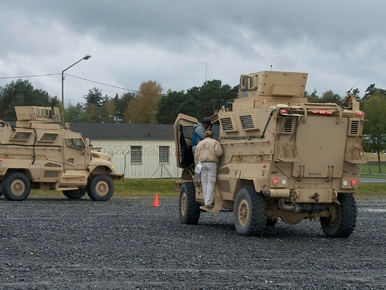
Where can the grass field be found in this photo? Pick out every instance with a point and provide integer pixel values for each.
(371, 170)
(165, 187)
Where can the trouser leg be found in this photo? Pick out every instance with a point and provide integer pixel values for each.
(211, 182)
(204, 180)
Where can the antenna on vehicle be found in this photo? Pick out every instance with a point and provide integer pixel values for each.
(353, 86)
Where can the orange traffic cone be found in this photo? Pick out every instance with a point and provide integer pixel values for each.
(156, 203)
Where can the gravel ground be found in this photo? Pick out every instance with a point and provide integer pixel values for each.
(126, 243)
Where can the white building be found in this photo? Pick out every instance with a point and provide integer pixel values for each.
(139, 150)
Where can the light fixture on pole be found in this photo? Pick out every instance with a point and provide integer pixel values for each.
(83, 58)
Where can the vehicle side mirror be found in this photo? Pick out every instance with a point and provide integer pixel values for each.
(87, 140)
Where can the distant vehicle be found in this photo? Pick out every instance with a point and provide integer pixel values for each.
(283, 158)
(39, 153)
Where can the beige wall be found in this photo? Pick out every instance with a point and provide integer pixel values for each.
(150, 166)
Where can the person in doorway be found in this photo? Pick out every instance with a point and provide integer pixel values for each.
(199, 132)
(207, 152)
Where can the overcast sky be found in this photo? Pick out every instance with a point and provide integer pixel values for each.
(180, 44)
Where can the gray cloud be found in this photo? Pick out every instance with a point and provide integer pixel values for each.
(181, 43)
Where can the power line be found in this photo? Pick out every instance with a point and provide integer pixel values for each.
(55, 74)
(104, 84)
(29, 76)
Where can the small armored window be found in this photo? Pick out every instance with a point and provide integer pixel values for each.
(48, 137)
(253, 83)
(21, 136)
(226, 124)
(47, 113)
(136, 154)
(76, 143)
(288, 125)
(354, 127)
(244, 83)
(247, 122)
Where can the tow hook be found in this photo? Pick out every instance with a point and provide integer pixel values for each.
(315, 196)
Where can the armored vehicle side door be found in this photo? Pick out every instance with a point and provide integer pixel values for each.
(183, 133)
(75, 154)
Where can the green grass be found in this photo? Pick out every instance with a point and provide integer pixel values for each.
(145, 187)
(371, 189)
(165, 187)
(129, 187)
(371, 170)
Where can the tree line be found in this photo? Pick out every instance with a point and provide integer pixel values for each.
(148, 105)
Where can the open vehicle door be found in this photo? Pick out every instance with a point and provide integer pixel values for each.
(183, 133)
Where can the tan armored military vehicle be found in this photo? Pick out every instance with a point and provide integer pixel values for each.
(39, 153)
(283, 158)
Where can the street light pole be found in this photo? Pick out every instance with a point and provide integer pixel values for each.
(83, 58)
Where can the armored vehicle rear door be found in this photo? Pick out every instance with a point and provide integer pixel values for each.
(183, 133)
(321, 143)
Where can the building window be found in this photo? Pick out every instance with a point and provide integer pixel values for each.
(163, 154)
(136, 154)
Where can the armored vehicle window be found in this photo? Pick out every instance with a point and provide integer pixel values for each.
(136, 154)
(163, 154)
(247, 122)
(40, 112)
(75, 143)
(48, 137)
(288, 125)
(226, 124)
(21, 136)
(354, 127)
(244, 83)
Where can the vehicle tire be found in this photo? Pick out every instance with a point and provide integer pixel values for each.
(250, 212)
(16, 186)
(189, 208)
(343, 217)
(100, 187)
(75, 194)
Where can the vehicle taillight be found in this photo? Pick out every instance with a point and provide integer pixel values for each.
(321, 112)
(283, 111)
(354, 182)
(275, 181)
(359, 113)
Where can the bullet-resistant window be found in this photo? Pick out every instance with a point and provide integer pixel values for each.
(21, 136)
(76, 143)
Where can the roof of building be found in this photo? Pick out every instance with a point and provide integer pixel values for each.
(124, 131)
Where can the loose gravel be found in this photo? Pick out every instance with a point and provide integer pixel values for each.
(126, 243)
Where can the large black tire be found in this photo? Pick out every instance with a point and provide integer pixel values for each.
(343, 217)
(75, 194)
(100, 187)
(189, 208)
(250, 212)
(16, 186)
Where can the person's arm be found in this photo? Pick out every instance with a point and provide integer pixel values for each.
(200, 132)
(217, 149)
(196, 155)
